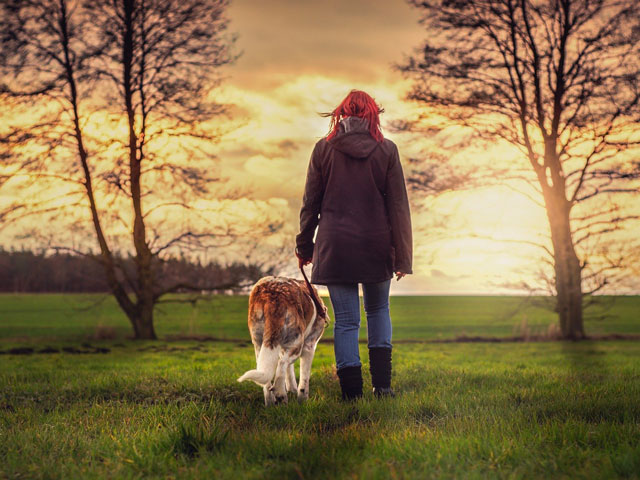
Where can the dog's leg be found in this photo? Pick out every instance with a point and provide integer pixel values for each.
(279, 384)
(269, 397)
(306, 359)
(294, 354)
(292, 385)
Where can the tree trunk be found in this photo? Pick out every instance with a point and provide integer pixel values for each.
(568, 272)
(142, 322)
(107, 259)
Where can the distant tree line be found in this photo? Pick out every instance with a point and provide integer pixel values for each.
(38, 272)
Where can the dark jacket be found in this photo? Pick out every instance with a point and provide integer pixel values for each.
(356, 195)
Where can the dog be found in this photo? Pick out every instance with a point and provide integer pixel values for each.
(284, 325)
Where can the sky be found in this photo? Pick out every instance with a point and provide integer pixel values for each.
(302, 57)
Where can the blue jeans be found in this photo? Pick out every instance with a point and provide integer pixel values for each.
(346, 309)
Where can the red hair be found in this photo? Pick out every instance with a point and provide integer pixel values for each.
(357, 104)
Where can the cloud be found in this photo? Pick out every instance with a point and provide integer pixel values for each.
(435, 273)
(303, 57)
(287, 145)
(357, 39)
(262, 166)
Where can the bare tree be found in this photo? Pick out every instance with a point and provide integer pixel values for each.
(6, 175)
(557, 79)
(152, 66)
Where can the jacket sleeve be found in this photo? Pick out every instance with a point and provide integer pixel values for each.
(399, 213)
(311, 202)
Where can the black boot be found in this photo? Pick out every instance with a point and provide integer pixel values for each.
(350, 382)
(380, 368)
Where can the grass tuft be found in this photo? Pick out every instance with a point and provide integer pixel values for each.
(192, 440)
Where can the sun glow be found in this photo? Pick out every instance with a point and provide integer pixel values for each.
(470, 241)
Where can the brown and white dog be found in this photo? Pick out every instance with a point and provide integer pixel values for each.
(284, 326)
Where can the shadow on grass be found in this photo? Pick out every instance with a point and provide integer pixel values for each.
(316, 455)
(585, 360)
(587, 375)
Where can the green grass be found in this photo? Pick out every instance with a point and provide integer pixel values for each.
(173, 409)
(74, 317)
(533, 410)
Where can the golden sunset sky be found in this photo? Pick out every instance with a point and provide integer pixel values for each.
(301, 57)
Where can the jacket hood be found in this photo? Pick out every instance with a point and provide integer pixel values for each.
(354, 138)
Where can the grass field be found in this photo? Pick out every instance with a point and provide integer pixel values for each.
(76, 317)
(172, 409)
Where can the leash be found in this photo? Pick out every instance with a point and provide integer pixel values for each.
(319, 305)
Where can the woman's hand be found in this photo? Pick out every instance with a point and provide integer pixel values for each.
(399, 275)
(302, 261)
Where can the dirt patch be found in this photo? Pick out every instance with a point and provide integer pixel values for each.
(49, 350)
(462, 338)
(86, 348)
(207, 338)
(76, 351)
(19, 351)
(167, 348)
(73, 350)
(512, 339)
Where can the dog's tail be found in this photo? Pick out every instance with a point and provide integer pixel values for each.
(267, 364)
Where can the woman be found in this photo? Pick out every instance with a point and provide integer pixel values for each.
(356, 196)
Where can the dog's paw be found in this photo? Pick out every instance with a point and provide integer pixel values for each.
(292, 388)
(269, 397)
